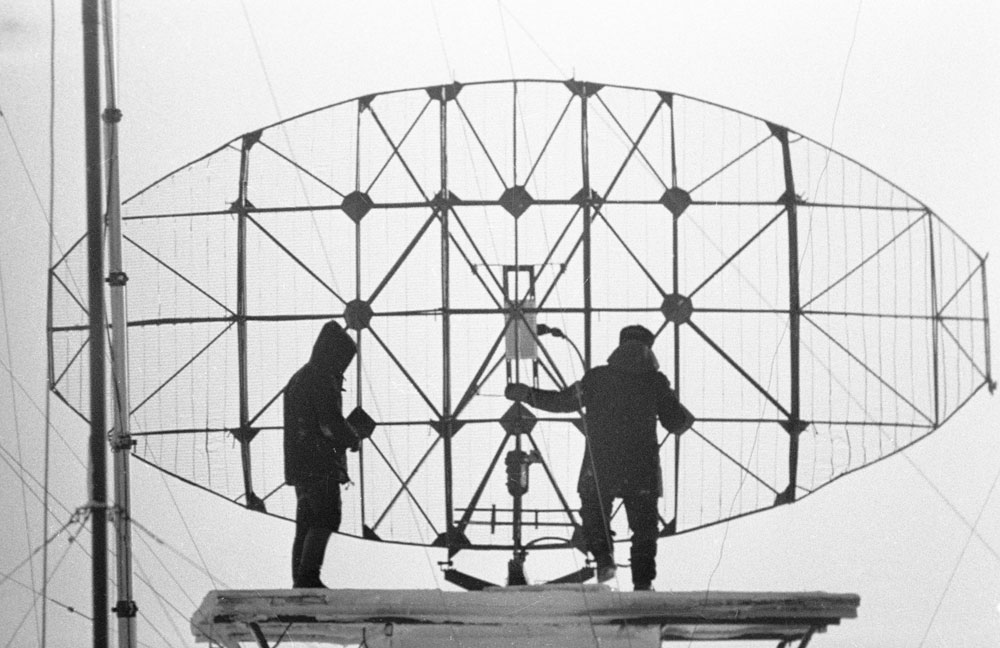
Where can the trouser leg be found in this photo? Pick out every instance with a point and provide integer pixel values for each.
(313, 552)
(300, 536)
(644, 522)
(317, 517)
(302, 520)
(595, 513)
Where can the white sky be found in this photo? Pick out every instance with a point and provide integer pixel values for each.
(921, 87)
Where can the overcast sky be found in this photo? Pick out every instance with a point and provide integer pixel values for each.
(910, 89)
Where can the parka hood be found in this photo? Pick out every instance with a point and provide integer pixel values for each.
(334, 349)
(633, 356)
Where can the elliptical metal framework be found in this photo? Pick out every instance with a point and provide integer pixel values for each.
(462, 189)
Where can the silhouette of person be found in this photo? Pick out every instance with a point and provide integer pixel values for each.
(317, 437)
(622, 401)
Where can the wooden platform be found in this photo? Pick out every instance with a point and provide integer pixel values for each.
(544, 616)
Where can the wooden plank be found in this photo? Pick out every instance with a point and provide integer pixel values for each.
(536, 614)
(444, 636)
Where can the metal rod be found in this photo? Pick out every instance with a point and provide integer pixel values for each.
(95, 283)
(479, 140)
(177, 274)
(934, 327)
(121, 445)
(359, 371)
(732, 257)
(402, 257)
(246, 212)
(467, 515)
(447, 428)
(677, 327)
(872, 372)
(794, 311)
(739, 369)
(862, 264)
(241, 312)
(395, 151)
(404, 486)
(635, 145)
(555, 485)
(986, 330)
(585, 163)
(961, 287)
(628, 250)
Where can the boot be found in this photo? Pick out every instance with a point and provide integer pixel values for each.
(300, 536)
(605, 568)
(313, 551)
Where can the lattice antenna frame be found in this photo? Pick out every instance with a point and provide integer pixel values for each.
(786, 283)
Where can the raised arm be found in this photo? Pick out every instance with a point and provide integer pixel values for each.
(563, 400)
(672, 414)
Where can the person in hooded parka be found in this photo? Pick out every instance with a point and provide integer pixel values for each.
(317, 437)
(622, 401)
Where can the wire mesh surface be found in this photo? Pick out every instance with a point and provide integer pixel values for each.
(814, 317)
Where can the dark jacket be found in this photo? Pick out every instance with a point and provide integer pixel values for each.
(623, 400)
(316, 434)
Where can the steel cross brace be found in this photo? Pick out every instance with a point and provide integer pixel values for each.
(258, 635)
(803, 641)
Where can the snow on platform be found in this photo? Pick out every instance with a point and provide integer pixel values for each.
(544, 616)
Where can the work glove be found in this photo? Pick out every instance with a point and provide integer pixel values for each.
(517, 392)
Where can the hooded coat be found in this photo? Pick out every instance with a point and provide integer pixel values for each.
(623, 400)
(316, 434)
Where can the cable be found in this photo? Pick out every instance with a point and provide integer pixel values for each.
(34, 189)
(506, 41)
(958, 562)
(5, 577)
(530, 36)
(163, 543)
(606, 522)
(40, 410)
(23, 475)
(17, 429)
(969, 525)
(187, 529)
(34, 604)
(833, 125)
(444, 49)
(62, 558)
(143, 577)
(288, 142)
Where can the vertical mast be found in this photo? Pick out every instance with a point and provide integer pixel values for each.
(95, 306)
(444, 209)
(121, 440)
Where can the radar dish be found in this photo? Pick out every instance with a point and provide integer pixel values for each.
(815, 317)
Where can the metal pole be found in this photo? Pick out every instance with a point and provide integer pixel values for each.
(675, 251)
(990, 383)
(244, 435)
(121, 442)
(447, 424)
(934, 321)
(795, 425)
(585, 160)
(357, 295)
(95, 304)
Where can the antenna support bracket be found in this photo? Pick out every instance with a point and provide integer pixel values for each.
(117, 279)
(121, 442)
(111, 115)
(125, 609)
